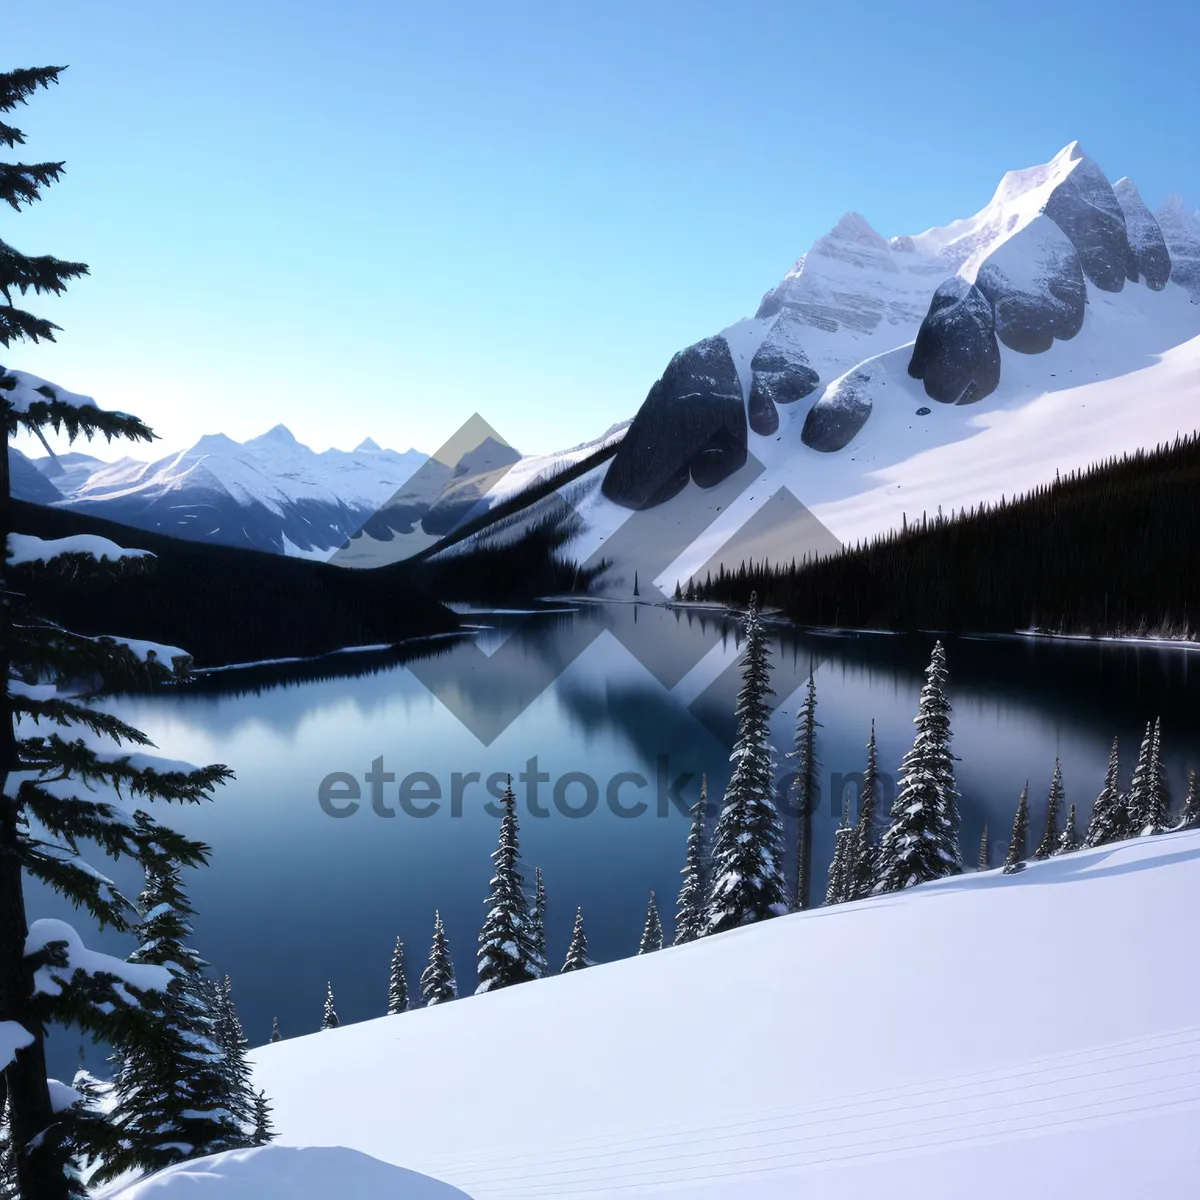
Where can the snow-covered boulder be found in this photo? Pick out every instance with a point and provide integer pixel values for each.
(1035, 284)
(693, 422)
(843, 410)
(955, 353)
(288, 1173)
(1149, 258)
(779, 372)
(1181, 232)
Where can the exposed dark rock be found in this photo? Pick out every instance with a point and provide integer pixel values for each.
(836, 418)
(1148, 257)
(780, 373)
(763, 415)
(692, 423)
(1181, 232)
(955, 353)
(1035, 284)
(1085, 208)
(924, 411)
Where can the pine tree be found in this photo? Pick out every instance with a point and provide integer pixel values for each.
(1190, 817)
(1069, 839)
(1015, 859)
(1053, 808)
(1156, 810)
(690, 916)
(276, 1036)
(507, 953)
(264, 1131)
(807, 790)
(171, 1090)
(437, 980)
(1139, 801)
(922, 841)
(984, 863)
(577, 951)
(652, 934)
(238, 1092)
(8, 1162)
(55, 790)
(329, 1017)
(397, 983)
(861, 876)
(747, 882)
(1109, 819)
(538, 925)
(635, 584)
(836, 891)
(678, 592)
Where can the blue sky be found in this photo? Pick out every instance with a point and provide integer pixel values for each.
(375, 218)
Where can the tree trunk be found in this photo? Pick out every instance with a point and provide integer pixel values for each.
(39, 1175)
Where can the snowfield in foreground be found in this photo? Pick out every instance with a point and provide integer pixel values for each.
(989, 1036)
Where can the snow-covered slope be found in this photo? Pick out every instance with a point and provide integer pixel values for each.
(984, 1036)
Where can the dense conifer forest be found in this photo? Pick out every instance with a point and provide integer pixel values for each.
(1110, 550)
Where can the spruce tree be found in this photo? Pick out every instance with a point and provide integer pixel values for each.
(170, 1091)
(329, 1017)
(437, 980)
(652, 934)
(836, 891)
(984, 863)
(56, 790)
(1156, 809)
(577, 951)
(397, 982)
(1053, 808)
(861, 877)
(507, 953)
(1190, 817)
(538, 925)
(1068, 839)
(1139, 802)
(747, 882)
(238, 1092)
(690, 916)
(922, 841)
(1015, 859)
(1109, 819)
(264, 1131)
(8, 1162)
(276, 1036)
(804, 756)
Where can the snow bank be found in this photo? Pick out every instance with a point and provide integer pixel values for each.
(983, 1036)
(25, 548)
(283, 1173)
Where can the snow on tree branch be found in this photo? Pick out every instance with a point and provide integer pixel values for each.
(25, 548)
(13, 1037)
(64, 955)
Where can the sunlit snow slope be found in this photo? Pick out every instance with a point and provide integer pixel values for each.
(987, 1036)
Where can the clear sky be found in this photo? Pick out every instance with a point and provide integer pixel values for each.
(375, 217)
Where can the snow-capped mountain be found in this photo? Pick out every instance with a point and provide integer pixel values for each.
(886, 376)
(269, 493)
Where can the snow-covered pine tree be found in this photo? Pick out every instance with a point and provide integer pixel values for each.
(537, 916)
(276, 1036)
(264, 1130)
(437, 980)
(1015, 859)
(836, 891)
(397, 983)
(690, 916)
(807, 767)
(8, 1164)
(1190, 817)
(1053, 808)
(922, 841)
(170, 1090)
(1156, 812)
(57, 791)
(329, 1017)
(747, 872)
(652, 934)
(1109, 819)
(239, 1094)
(577, 951)
(985, 858)
(861, 876)
(507, 953)
(1068, 840)
(678, 592)
(1139, 801)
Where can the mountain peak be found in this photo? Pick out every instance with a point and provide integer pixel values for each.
(854, 227)
(277, 433)
(368, 445)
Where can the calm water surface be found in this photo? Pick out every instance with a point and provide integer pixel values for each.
(602, 696)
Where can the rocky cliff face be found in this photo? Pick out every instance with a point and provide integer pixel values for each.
(1149, 260)
(1181, 233)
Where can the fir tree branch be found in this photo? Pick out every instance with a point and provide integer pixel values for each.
(17, 86)
(41, 274)
(66, 713)
(20, 183)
